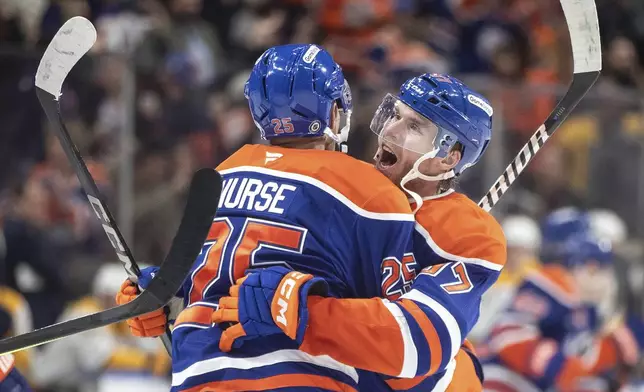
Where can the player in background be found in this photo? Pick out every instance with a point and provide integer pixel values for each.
(552, 336)
(111, 355)
(434, 129)
(523, 242)
(14, 319)
(297, 204)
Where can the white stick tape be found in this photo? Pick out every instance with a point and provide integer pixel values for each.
(581, 16)
(70, 43)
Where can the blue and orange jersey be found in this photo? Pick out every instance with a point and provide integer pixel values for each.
(548, 338)
(318, 212)
(430, 301)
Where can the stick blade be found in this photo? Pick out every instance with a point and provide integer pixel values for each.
(71, 42)
(583, 24)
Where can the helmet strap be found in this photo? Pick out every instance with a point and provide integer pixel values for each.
(414, 173)
(342, 136)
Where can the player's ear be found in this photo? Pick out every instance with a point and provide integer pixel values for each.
(334, 121)
(451, 160)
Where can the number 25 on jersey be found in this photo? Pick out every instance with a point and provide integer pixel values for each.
(231, 250)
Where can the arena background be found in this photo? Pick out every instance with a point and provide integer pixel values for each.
(161, 94)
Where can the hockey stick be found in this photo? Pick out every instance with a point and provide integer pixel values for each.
(71, 42)
(581, 17)
(203, 198)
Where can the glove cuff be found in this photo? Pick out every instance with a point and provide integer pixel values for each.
(315, 286)
(288, 307)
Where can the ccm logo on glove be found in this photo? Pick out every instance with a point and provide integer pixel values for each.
(284, 313)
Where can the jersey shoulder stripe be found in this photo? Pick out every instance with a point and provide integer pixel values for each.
(353, 183)
(457, 229)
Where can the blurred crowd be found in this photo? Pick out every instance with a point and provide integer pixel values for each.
(161, 94)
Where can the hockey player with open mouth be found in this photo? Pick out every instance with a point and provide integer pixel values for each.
(431, 131)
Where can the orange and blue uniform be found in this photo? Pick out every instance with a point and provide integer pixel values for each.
(405, 341)
(432, 302)
(361, 238)
(299, 208)
(429, 303)
(548, 338)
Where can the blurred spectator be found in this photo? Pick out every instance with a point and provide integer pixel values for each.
(122, 26)
(622, 64)
(395, 57)
(32, 262)
(257, 26)
(57, 13)
(158, 206)
(99, 360)
(20, 20)
(179, 29)
(348, 25)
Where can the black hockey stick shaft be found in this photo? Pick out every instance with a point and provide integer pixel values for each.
(200, 210)
(578, 88)
(96, 201)
(69, 45)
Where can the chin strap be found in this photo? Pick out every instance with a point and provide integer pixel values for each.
(341, 137)
(414, 173)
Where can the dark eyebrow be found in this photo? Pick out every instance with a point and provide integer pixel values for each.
(418, 118)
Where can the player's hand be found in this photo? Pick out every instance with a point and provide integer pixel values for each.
(148, 325)
(265, 302)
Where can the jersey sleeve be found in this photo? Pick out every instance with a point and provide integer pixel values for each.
(620, 344)
(424, 322)
(415, 335)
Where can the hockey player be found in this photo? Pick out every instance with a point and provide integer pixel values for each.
(422, 335)
(431, 132)
(551, 336)
(294, 203)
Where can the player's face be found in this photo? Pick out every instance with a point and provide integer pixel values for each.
(405, 137)
(595, 282)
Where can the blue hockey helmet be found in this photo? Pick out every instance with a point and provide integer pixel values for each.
(460, 115)
(291, 91)
(446, 112)
(559, 230)
(585, 249)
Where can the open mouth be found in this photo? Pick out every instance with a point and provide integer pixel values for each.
(387, 157)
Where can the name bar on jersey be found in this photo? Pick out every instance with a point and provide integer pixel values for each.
(255, 195)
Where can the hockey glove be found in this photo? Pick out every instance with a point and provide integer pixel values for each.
(266, 302)
(150, 324)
